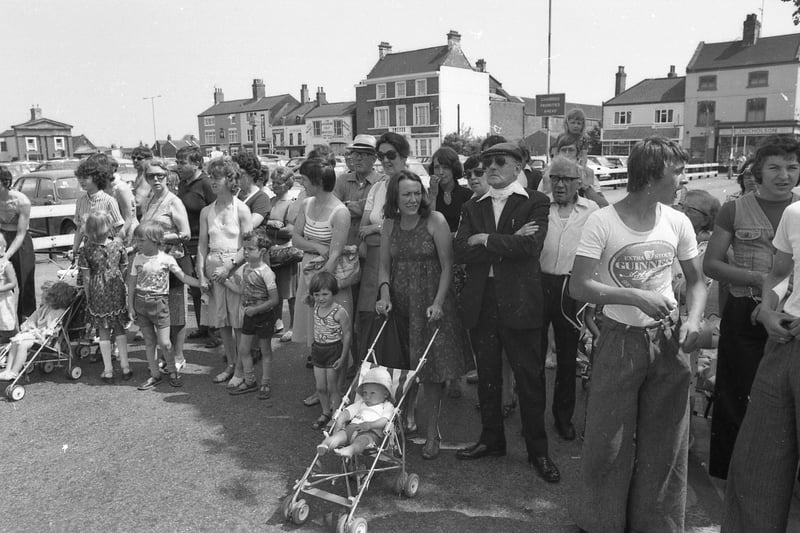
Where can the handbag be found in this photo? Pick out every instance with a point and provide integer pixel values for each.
(348, 267)
(390, 350)
(281, 257)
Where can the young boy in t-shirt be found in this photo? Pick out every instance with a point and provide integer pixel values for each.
(635, 450)
(259, 300)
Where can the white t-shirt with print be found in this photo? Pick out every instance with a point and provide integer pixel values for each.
(361, 412)
(637, 259)
(152, 273)
(787, 240)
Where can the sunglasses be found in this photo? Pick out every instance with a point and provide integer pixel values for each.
(158, 176)
(556, 177)
(478, 172)
(138, 158)
(685, 208)
(390, 155)
(499, 160)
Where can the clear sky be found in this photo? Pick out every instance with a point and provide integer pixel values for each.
(90, 63)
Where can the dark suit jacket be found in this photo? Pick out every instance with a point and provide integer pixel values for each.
(515, 259)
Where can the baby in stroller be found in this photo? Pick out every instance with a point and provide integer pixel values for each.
(361, 423)
(38, 327)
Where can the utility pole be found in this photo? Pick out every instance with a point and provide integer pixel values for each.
(549, 38)
(153, 109)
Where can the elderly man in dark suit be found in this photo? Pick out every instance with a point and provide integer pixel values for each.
(499, 240)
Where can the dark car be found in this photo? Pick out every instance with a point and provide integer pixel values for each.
(50, 187)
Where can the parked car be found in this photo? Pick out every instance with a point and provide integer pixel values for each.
(601, 170)
(59, 164)
(619, 161)
(414, 166)
(18, 168)
(52, 187)
(538, 162)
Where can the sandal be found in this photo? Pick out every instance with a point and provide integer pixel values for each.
(175, 380)
(150, 383)
(223, 376)
(286, 337)
(243, 388)
(321, 422)
(431, 449)
(127, 374)
(264, 393)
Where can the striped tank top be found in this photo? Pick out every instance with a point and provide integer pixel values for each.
(326, 328)
(320, 231)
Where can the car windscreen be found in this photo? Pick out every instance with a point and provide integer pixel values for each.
(68, 188)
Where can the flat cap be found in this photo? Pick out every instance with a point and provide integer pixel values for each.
(504, 149)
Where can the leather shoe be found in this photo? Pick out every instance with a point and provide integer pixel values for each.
(546, 469)
(479, 451)
(566, 432)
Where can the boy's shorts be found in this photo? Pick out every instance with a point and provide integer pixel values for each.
(324, 355)
(152, 310)
(262, 325)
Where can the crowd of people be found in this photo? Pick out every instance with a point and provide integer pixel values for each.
(493, 267)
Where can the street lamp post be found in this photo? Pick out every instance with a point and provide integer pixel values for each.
(253, 123)
(153, 109)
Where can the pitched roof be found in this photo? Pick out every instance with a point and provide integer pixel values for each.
(651, 91)
(335, 109)
(42, 123)
(300, 112)
(732, 54)
(422, 60)
(7, 133)
(245, 105)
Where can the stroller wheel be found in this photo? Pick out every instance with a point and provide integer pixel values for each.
(15, 392)
(411, 486)
(84, 351)
(48, 367)
(358, 525)
(341, 523)
(29, 369)
(286, 507)
(300, 512)
(75, 372)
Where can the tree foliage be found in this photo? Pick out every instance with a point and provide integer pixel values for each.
(796, 14)
(465, 143)
(593, 136)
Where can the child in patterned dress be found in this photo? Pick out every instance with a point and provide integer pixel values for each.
(103, 263)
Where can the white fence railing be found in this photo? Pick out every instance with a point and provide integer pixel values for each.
(50, 211)
(697, 170)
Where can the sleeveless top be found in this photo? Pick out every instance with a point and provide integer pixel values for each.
(326, 328)
(224, 233)
(752, 241)
(9, 211)
(161, 211)
(320, 231)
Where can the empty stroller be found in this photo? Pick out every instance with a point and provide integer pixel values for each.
(387, 454)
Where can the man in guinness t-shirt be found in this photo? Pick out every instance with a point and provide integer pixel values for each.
(635, 451)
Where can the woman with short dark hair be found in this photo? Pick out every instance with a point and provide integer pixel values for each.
(447, 195)
(94, 176)
(15, 213)
(415, 285)
(250, 180)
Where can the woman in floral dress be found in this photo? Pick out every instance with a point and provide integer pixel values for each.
(415, 283)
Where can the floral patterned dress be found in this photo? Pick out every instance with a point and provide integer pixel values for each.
(414, 283)
(105, 280)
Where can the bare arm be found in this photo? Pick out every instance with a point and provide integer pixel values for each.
(301, 242)
(24, 208)
(696, 293)
(181, 221)
(340, 226)
(437, 226)
(10, 276)
(202, 248)
(384, 304)
(347, 329)
(779, 325)
(585, 288)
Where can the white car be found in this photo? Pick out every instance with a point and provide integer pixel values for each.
(599, 166)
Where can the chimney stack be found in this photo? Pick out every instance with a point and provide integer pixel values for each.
(36, 112)
(671, 73)
(383, 49)
(259, 90)
(619, 86)
(304, 94)
(453, 40)
(752, 30)
(481, 65)
(321, 100)
(218, 96)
